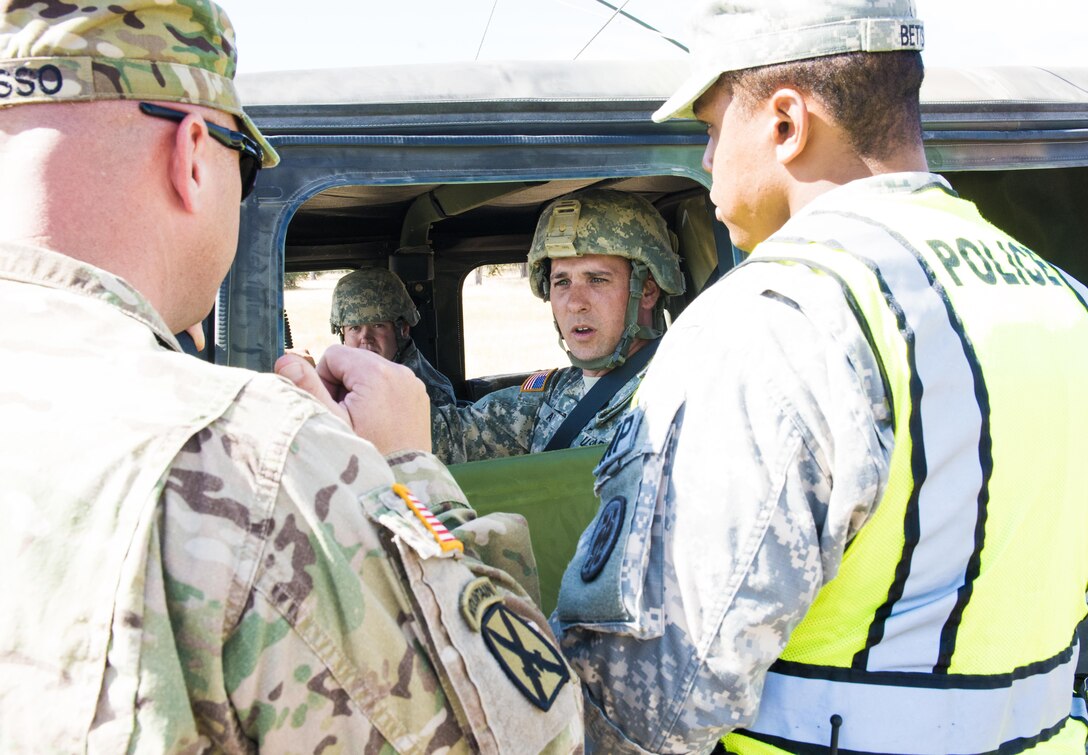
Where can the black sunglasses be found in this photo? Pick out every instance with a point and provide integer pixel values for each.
(251, 152)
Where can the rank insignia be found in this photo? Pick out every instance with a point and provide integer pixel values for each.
(528, 660)
(445, 539)
(537, 382)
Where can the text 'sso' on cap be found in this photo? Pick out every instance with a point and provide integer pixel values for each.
(733, 36)
(160, 50)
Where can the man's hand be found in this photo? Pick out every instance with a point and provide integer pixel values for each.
(380, 400)
(304, 353)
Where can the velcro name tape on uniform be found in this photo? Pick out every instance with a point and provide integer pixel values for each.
(537, 382)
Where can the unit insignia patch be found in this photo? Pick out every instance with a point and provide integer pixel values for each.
(531, 662)
(603, 540)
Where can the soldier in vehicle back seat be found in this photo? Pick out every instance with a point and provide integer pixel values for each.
(606, 261)
(371, 309)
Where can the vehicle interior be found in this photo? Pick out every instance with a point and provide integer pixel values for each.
(435, 173)
(433, 236)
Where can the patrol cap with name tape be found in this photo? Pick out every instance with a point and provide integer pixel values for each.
(733, 36)
(161, 50)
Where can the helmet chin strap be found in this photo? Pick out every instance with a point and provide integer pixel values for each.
(631, 330)
(402, 341)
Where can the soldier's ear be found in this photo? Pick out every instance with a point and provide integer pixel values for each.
(792, 124)
(403, 327)
(188, 161)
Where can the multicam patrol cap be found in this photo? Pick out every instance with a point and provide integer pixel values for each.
(161, 50)
(373, 294)
(732, 35)
(617, 223)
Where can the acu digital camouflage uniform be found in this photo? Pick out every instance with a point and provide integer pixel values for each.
(519, 420)
(377, 295)
(731, 493)
(199, 558)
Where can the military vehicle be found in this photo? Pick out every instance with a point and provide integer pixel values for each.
(434, 171)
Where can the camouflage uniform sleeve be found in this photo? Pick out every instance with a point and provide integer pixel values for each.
(732, 522)
(500, 540)
(499, 424)
(297, 670)
(298, 627)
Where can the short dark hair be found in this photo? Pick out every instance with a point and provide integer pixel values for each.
(872, 96)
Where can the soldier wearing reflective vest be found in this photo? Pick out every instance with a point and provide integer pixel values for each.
(860, 525)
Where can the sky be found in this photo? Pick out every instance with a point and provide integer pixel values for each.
(339, 33)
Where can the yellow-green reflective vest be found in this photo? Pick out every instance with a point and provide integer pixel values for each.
(950, 626)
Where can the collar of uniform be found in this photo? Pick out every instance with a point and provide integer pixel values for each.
(44, 267)
(885, 183)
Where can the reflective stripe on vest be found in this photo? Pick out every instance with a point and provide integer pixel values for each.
(960, 719)
(921, 633)
(1080, 709)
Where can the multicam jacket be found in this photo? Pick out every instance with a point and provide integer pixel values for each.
(522, 419)
(199, 558)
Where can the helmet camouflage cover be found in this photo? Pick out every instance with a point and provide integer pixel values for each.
(616, 223)
(604, 221)
(373, 294)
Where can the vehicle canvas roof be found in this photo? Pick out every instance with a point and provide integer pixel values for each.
(610, 80)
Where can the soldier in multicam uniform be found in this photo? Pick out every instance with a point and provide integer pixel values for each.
(840, 533)
(371, 309)
(606, 261)
(198, 558)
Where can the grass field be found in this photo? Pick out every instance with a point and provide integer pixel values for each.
(507, 329)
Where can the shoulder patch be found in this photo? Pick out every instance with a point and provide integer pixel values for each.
(478, 596)
(525, 656)
(538, 381)
(445, 539)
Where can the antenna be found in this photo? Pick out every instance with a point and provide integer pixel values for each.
(621, 12)
(486, 27)
(616, 11)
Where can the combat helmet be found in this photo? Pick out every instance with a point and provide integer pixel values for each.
(373, 294)
(617, 223)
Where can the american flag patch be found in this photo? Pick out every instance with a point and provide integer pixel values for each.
(445, 539)
(536, 382)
